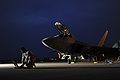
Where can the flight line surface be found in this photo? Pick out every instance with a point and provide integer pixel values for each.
(60, 74)
(62, 71)
(66, 65)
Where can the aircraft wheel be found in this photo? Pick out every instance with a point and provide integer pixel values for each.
(69, 61)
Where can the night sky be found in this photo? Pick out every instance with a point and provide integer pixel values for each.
(27, 22)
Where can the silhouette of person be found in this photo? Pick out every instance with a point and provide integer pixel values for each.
(24, 59)
(28, 59)
(31, 60)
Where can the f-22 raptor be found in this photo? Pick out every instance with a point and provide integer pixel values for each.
(65, 43)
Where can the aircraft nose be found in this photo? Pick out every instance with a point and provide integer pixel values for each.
(44, 41)
(48, 42)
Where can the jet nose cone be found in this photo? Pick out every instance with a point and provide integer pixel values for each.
(44, 41)
(49, 42)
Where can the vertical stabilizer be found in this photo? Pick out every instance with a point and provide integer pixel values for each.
(102, 40)
(116, 45)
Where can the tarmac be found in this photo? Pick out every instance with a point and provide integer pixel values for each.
(66, 65)
(62, 71)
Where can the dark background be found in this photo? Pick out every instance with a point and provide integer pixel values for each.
(27, 22)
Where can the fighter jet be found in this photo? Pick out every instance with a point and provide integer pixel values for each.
(66, 44)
